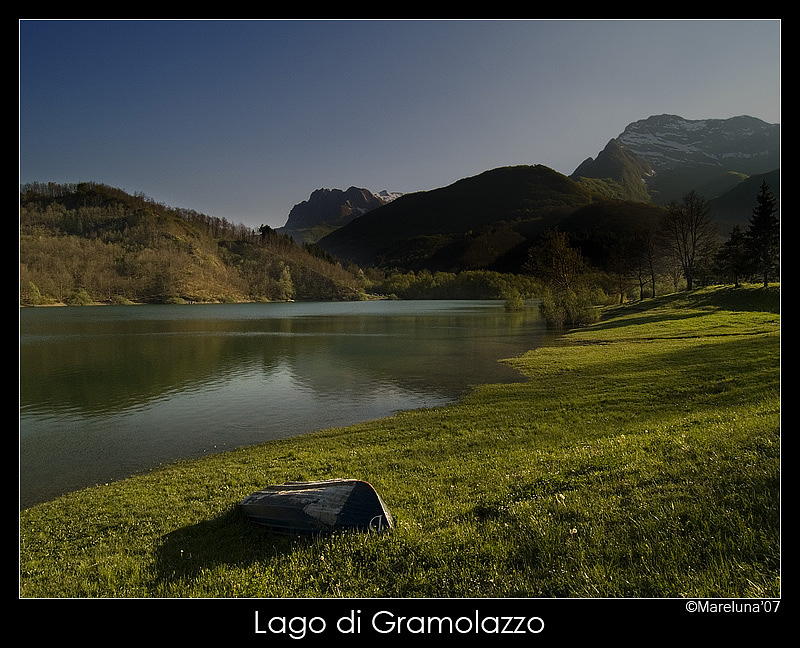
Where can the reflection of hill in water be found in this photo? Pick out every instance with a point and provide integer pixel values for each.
(103, 366)
(107, 393)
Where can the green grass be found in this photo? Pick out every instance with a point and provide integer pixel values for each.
(641, 458)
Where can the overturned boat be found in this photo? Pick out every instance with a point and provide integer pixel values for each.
(318, 507)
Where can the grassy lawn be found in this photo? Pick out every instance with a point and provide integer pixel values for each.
(641, 458)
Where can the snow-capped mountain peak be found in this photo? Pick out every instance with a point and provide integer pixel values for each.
(668, 141)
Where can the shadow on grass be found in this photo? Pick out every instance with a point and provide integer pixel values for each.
(227, 540)
(644, 320)
(725, 299)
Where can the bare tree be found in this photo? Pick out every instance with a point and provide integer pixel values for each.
(689, 234)
(556, 262)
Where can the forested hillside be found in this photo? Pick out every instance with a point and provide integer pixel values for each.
(497, 236)
(472, 224)
(93, 243)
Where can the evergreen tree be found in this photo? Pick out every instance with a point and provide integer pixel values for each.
(286, 290)
(764, 236)
(733, 259)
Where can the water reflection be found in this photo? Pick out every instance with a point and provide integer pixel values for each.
(109, 391)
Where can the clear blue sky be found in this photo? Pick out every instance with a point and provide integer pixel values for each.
(244, 119)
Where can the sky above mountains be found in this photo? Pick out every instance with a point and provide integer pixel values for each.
(244, 119)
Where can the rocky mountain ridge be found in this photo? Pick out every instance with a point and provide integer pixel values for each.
(328, 209)
(669, 141)
(654, 160)
(664, 156)
(490, 221)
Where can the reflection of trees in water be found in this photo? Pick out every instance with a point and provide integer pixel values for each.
(106, 366)
(102, 399)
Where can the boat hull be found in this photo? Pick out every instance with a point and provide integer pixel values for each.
(318, 507)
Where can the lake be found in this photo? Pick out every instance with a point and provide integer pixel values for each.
(110, 391)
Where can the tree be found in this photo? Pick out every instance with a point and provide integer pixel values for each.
(648, 256)
(689, 234)
(566, 297)
(286, 290)
(733, 259)
(622, 266)
(764, 236)
(555, 262)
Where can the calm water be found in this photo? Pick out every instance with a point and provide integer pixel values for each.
(107, 392)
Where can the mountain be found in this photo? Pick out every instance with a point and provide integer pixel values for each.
(330, 209)
(473, 223)
(93, 242)
(600, 229)
(490, 221)
(735, 207)
(664, 156)
(617, 173)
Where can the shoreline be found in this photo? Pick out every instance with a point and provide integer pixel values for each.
(613, 471)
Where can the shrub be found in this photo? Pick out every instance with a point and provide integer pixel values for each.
(78, 297)
(568, 307)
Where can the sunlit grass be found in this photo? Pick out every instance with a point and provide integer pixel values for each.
(640, 459)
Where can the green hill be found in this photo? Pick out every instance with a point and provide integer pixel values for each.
(735, 206)
(93, 243)
(605, 226)
(616, 174)
(492, 220)
(472, 223)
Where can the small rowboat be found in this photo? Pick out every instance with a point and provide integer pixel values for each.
(318, 507)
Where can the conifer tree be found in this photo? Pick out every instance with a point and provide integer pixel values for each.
(733, 260)
(764, 236)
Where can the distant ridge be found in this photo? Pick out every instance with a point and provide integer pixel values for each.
(664, 156)
(491, 220)
(622, 173)
(329, 209)
(471, 223)
(93, 243)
